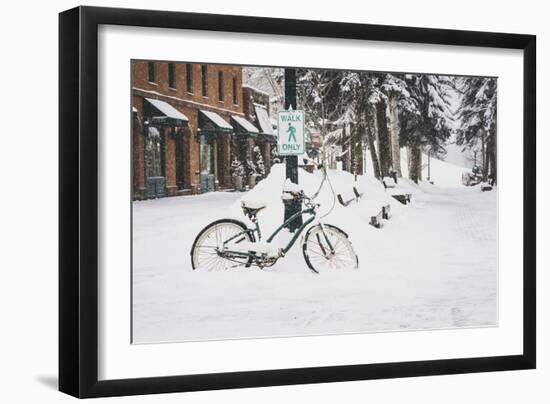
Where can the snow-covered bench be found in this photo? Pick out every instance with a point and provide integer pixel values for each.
(376, 220)
(385, 213)
(403, 198)
(357, 196)
(486, 186)
(389, 182)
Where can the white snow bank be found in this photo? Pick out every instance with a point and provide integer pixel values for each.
(442, 173)
(352, 219)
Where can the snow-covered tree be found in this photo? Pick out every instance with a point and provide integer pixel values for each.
(268, 79)
(318, 93)
(398, 96)
(259, 162)
(427, 118)
(251, 168)
(478, 123)
(361, 94)
(275, 157)
(237, 168)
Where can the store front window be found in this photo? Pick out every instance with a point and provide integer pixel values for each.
(154, 163)
(206, 165)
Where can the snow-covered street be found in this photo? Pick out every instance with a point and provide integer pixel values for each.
(433, 265)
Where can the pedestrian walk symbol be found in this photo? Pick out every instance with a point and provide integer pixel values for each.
(290, 132)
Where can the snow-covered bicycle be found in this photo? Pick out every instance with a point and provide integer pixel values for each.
(230, 243)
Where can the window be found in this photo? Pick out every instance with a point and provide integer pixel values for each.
(152, 72)
(220, 85)
(206, 157)
(235, 99)
(189, 77)
(204, 74)
(171, 75)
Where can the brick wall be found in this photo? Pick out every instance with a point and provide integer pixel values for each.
(138, 183)
(188, 101)
(194, 94)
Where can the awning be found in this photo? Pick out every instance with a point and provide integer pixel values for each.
(263, 120)
(160, 112)
(243, 126)
(211, 122)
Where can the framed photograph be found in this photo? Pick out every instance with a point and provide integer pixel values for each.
(251, 202)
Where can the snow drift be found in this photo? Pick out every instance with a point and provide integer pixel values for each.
(432, 266)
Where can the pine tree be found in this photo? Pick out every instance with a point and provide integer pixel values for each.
(361, 93)
(395, 88)
(478, 123)
(426, 118)
(237, 168)
(259, 162)
(319, 94)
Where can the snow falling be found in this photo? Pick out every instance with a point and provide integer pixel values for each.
(441, 277)
(432, 265)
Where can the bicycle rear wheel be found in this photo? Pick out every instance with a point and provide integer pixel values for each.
(206, 251)
(328, 249)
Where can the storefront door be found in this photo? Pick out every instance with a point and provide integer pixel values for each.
(206, 165)
(154, 164)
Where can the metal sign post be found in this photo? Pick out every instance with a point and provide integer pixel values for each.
(290, 133)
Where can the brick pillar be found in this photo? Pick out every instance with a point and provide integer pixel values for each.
(226, 149)
(192, 162)
(217, 179)
(267, 158)
(249, 147)
(170, 163)
(138, 161)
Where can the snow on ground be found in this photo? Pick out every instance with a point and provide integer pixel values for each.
(442, 173)
(433, 265)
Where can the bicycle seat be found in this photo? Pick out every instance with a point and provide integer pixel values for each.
(252, 208)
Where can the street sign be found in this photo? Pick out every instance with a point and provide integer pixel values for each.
(291, 139)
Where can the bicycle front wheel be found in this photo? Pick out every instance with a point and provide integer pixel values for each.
(328, 249)
(207, 251)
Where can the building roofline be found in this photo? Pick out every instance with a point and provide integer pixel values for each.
(184, 102)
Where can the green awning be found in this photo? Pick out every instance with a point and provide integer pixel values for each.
(243, 126)
(161, 113)
(210, 122)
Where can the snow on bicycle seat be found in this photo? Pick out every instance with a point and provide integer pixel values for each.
(252, 205)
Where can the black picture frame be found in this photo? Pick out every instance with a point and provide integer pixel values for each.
(78, 201)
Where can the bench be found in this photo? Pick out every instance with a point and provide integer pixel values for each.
(376, 221)
(356, 198)
(403, 198)
(389, 182)
(386, 212)
(342, 202)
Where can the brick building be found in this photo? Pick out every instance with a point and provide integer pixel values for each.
(188, 124)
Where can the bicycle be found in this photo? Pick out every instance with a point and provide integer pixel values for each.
(229, 243)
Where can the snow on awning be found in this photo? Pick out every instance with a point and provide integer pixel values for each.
(263, 120)
(163, 113)
(211, 122)
(134, 109)
(242, 125)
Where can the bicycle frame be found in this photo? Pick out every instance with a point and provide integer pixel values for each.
(299, 231)
(309, 210)
(290, 244)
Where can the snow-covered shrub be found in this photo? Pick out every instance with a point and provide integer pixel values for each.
(237, 168)
(251, 168)
(260, 166)
(275, 157)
